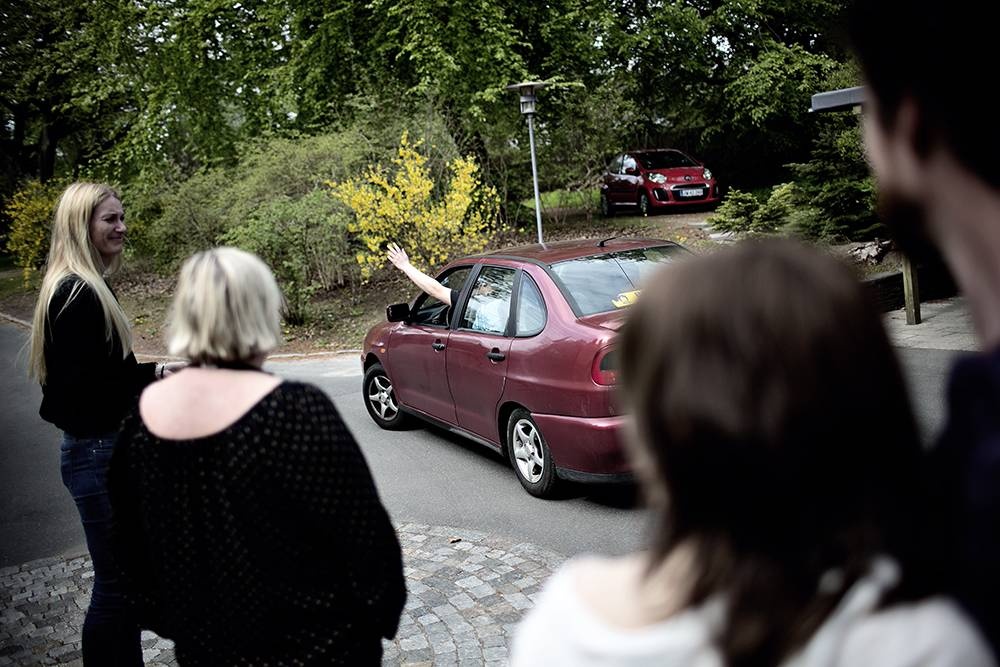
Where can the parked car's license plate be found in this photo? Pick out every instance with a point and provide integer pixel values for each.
(691, 193)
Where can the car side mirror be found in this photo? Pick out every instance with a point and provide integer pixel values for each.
(631, 171)
(398, 312)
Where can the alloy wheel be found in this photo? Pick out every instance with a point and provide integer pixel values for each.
(382, 398)
(529, 454)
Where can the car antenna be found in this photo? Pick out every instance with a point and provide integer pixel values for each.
(603, 241)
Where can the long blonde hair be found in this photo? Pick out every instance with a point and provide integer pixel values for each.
(72, 253)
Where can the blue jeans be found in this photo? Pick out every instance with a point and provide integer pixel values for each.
(110, 635)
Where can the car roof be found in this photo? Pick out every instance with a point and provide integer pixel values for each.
(640, 151)
(558, 251)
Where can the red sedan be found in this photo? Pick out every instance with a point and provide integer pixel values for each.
(656, 179)
(525, 362)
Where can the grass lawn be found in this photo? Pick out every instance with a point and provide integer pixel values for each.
(573, 199)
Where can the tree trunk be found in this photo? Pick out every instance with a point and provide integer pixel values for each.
(47, 143)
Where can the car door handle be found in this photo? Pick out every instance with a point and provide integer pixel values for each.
(496, 355)
(437, 345)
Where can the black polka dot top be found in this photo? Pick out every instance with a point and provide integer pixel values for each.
(263, 544)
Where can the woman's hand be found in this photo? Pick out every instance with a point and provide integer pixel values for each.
(397, 256)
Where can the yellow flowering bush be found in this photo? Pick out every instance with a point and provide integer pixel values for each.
(30, 214)
(399, 206)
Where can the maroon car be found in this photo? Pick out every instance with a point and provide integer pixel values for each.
(524, 363)
(655, 179)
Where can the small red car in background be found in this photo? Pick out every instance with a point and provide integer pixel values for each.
(655, 179)
(524, 363)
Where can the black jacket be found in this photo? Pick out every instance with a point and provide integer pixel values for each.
(89, 386)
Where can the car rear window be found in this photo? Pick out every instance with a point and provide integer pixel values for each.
(601, 283)
(665, 160)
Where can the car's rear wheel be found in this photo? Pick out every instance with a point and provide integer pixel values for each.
(607, 208)
(380, 399)
(643, 203)
(529, 454)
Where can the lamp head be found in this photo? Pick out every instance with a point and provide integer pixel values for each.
(527, 90)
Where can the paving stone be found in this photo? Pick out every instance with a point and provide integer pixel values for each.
(466, 592)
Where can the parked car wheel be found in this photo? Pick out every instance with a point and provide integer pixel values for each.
(529, 454)
(643, 203)
(607, 208)
(380, 399)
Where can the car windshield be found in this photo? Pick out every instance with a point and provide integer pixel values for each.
(665, 160)
(602, 283)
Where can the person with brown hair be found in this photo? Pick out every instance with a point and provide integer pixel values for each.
(774, 442)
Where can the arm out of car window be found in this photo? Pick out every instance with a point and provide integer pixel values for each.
(399, 259)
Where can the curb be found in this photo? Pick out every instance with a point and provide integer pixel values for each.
(15, 320)
(142, 356)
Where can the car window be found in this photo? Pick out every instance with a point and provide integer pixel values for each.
(601, 283)
(433, 312)
(616, 165)
(666, 160)
(628, 163)
(488, 306)
(530, 308)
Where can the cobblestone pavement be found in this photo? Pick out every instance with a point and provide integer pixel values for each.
(467, 590)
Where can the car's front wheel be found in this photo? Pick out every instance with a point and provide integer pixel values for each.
(607, 208)
(644, 203)
(380, 399)
(529, 454)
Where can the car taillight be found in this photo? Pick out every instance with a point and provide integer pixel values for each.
(604, 370)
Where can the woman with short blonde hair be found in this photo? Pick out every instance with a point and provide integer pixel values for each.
(81, 354)
(249, 529)
(211, 323)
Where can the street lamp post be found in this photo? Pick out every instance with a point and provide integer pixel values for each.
(527, 90)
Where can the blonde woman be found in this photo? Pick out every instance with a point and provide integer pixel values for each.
(247, 524)
(81, 353)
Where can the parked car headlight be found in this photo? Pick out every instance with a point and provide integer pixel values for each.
(657, 178)
(707, 174)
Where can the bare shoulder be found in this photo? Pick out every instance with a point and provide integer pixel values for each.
(610, 588)
(196, 402)
(629, 592)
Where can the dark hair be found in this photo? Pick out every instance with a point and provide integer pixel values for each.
(774, 434)
(937, 57)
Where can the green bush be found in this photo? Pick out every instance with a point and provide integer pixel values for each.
(736, 213)
(30, 212)
(305, 243)
(191, 218)
(836, 193)
(274, 201)
(776, 212)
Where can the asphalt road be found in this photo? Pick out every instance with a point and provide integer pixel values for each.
(424, 475)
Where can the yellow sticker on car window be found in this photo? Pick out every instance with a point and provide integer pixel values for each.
(626, 299)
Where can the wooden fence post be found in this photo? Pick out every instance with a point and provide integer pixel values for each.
(911, 292)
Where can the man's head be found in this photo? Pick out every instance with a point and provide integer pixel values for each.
(926, 66)
(929, 69)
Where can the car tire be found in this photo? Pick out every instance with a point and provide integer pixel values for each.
(607, 208)
(380, 399)
(643, 204)
(529, 455)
